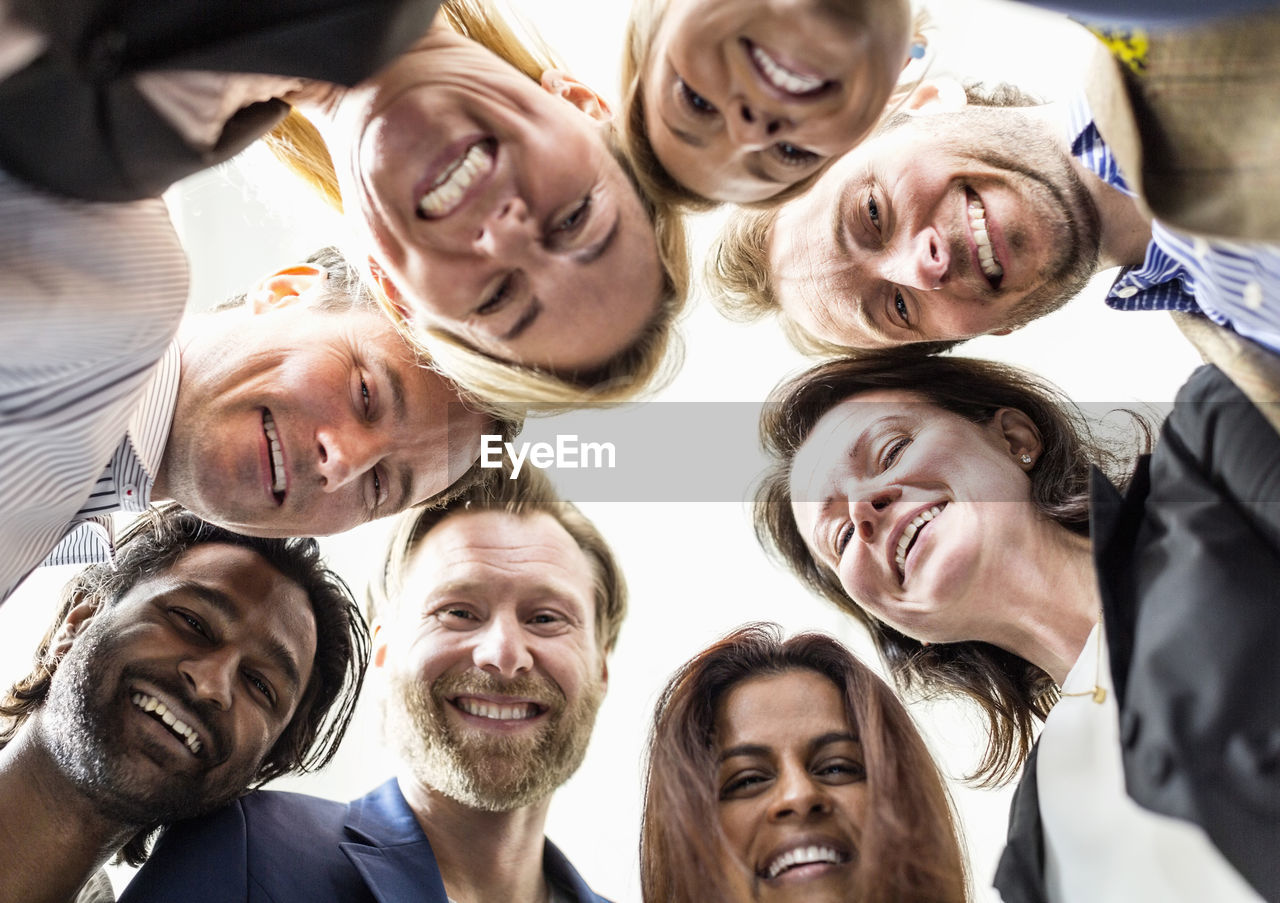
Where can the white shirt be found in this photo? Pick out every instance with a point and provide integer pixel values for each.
(1101, 846)
(90, 298)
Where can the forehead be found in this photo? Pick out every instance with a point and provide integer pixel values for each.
(781, 709)
(510, 555)
(245, 588)
(828, 444)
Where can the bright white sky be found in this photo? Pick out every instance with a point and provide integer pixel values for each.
(694, 569)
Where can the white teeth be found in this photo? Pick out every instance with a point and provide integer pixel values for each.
(277, 454)
(909, 534)
(453, 183)
(986, 256)
(497, 712)
(803, 856)
(781, 77)
(184, 731)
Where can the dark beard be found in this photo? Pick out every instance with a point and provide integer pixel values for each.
(494, 774)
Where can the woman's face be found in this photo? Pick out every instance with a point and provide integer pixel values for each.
(745, 97)
(792, 786)
(918, 511)
(493, 207)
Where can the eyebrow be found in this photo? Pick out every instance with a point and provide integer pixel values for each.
(756, 168)
(399, 413)
(842, 244)
(275, 650)
(755, 749)
(857, 452)
(592, 253)
(526, 320)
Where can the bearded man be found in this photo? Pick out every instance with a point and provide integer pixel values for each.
(491, 625)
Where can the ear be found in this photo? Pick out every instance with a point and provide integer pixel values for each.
(378, 645)
(568, 88)
(77, 619)
(937, 95)
(1019, 434)
(389, 291)
(604, 671)
(283, 288)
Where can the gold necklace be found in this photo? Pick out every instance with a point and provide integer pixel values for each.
(1099, 692)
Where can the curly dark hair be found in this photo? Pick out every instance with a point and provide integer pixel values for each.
(151, 546)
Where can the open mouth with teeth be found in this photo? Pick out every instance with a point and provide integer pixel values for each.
(990, 265)
(180, 729)
(910, 534)
(803, 860)
(279, 482)
(782, 77)
(507, 712)
(446, 191)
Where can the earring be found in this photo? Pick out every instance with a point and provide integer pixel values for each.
(1026, 458)
(917, 50)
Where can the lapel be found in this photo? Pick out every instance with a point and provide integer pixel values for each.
(1114, 521)
(560, 871)
(389, 850)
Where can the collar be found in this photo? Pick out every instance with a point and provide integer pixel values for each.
(153, 417)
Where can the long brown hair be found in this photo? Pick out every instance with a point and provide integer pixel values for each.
(1012, 693)
(909, 852)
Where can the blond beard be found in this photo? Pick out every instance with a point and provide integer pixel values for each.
(490, 773)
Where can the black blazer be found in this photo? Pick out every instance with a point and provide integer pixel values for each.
(72, 122)
(1188, 563)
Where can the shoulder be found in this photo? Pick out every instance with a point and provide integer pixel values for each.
(267, 845)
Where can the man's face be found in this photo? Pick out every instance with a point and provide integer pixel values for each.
(494, 665)
(167, 702)
(948, 226)
(296, 422)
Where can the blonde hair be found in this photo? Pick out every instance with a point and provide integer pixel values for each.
(653, 177)
(643, 367)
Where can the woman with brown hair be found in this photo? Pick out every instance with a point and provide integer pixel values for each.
(948, 504)
(786, 770)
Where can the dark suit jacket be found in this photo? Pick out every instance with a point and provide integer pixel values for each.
(1188, 562)
(72, 122)
(272, 846)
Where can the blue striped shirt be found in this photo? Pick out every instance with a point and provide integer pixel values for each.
(1235, 284)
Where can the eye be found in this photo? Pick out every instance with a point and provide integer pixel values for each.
(573, 222)
(456, 616)
(192, 622)
(495, 302)
(260, 685)
(842, 770)
(695, 101)
(364, 394)
(873, 212)
(742, 783)
(892, 453)
(900, 308)
(843, 537)
(794, 156)
(376, 480)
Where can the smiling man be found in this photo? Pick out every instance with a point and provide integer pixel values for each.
(200, 664)
(296, 411)
(971, 215)
(492, 629)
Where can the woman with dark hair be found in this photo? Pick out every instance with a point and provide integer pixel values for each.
(786, 770)
(948, 504)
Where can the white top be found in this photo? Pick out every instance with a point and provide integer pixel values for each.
(1101, 846)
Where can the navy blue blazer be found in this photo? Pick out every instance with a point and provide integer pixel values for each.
(275, 846)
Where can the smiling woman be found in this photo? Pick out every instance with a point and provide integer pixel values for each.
(787, 771)
(497, 218)
(736, 100)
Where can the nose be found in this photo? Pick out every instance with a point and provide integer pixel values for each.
(344, 453)
(924, 262)
(867, 511)
(501, 648)
(797, 795)
(210, 676)
(507, 230)
(753, 127)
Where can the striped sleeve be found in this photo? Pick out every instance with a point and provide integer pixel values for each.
(90, 296)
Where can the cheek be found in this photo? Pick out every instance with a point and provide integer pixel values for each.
(739, 821)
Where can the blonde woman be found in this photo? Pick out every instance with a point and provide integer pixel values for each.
(748, 101)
